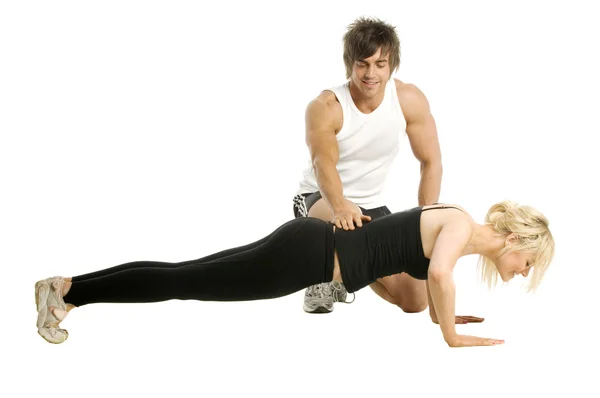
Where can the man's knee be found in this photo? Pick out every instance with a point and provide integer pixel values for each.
(413, 306)
(408, 294)
(321, 210)
(413, 300)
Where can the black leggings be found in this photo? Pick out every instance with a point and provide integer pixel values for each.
(296, 255)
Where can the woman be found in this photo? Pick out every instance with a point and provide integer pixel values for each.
(424, 242)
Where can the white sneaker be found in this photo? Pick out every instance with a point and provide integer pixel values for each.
(48, 293)
(318, 299)
(53, 335)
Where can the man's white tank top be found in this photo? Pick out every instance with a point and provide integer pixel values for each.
(368, 145)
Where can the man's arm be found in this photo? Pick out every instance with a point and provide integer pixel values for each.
(422, 135)
(323, 117)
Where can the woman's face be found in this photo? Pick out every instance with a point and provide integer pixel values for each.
(514, 263)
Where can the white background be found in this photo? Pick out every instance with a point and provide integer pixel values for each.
(167, 131)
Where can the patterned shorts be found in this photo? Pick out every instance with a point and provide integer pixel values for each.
(304, 201)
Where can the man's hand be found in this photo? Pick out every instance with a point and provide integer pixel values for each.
(347, 215)
(459, 320)
(471, 341)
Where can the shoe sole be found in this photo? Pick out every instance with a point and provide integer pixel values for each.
(318, 310)
(42, 291)
(55, 342)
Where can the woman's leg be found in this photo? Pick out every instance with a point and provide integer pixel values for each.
(296, 255)
(155, 264)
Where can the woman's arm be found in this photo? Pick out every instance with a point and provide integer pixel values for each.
(432, 313)
(459, 319)
(449, 245)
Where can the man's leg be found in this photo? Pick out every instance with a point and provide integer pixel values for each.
(403, 290)
(318, 299)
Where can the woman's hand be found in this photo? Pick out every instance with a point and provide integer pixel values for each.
(460, 319)
(471, 341)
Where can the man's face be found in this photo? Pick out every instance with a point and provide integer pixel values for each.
(370, 75)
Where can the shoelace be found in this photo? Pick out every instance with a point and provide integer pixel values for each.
(322, 291)
(337, 287)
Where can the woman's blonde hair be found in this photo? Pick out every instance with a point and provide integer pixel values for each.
(533, 236)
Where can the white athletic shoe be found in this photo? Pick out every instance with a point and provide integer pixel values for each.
(48, 293)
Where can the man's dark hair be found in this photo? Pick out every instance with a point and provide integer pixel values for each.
(364, 37)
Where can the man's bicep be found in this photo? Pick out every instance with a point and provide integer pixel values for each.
(320, 132)
(423, 139)
(420, 125)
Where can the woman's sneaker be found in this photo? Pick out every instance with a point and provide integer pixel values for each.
(48, 294)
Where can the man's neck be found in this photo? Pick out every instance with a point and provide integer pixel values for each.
(363, 103)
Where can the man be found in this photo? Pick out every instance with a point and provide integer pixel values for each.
(353, 133)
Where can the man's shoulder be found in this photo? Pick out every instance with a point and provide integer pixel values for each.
(325, 101)
(411, 98)
(327, 95)
(324, 112)
(407, 91)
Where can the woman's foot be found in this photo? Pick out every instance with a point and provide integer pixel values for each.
(53, 335)
(51, 309)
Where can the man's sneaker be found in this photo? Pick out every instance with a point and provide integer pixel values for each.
(318, 299)
(339, 292)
